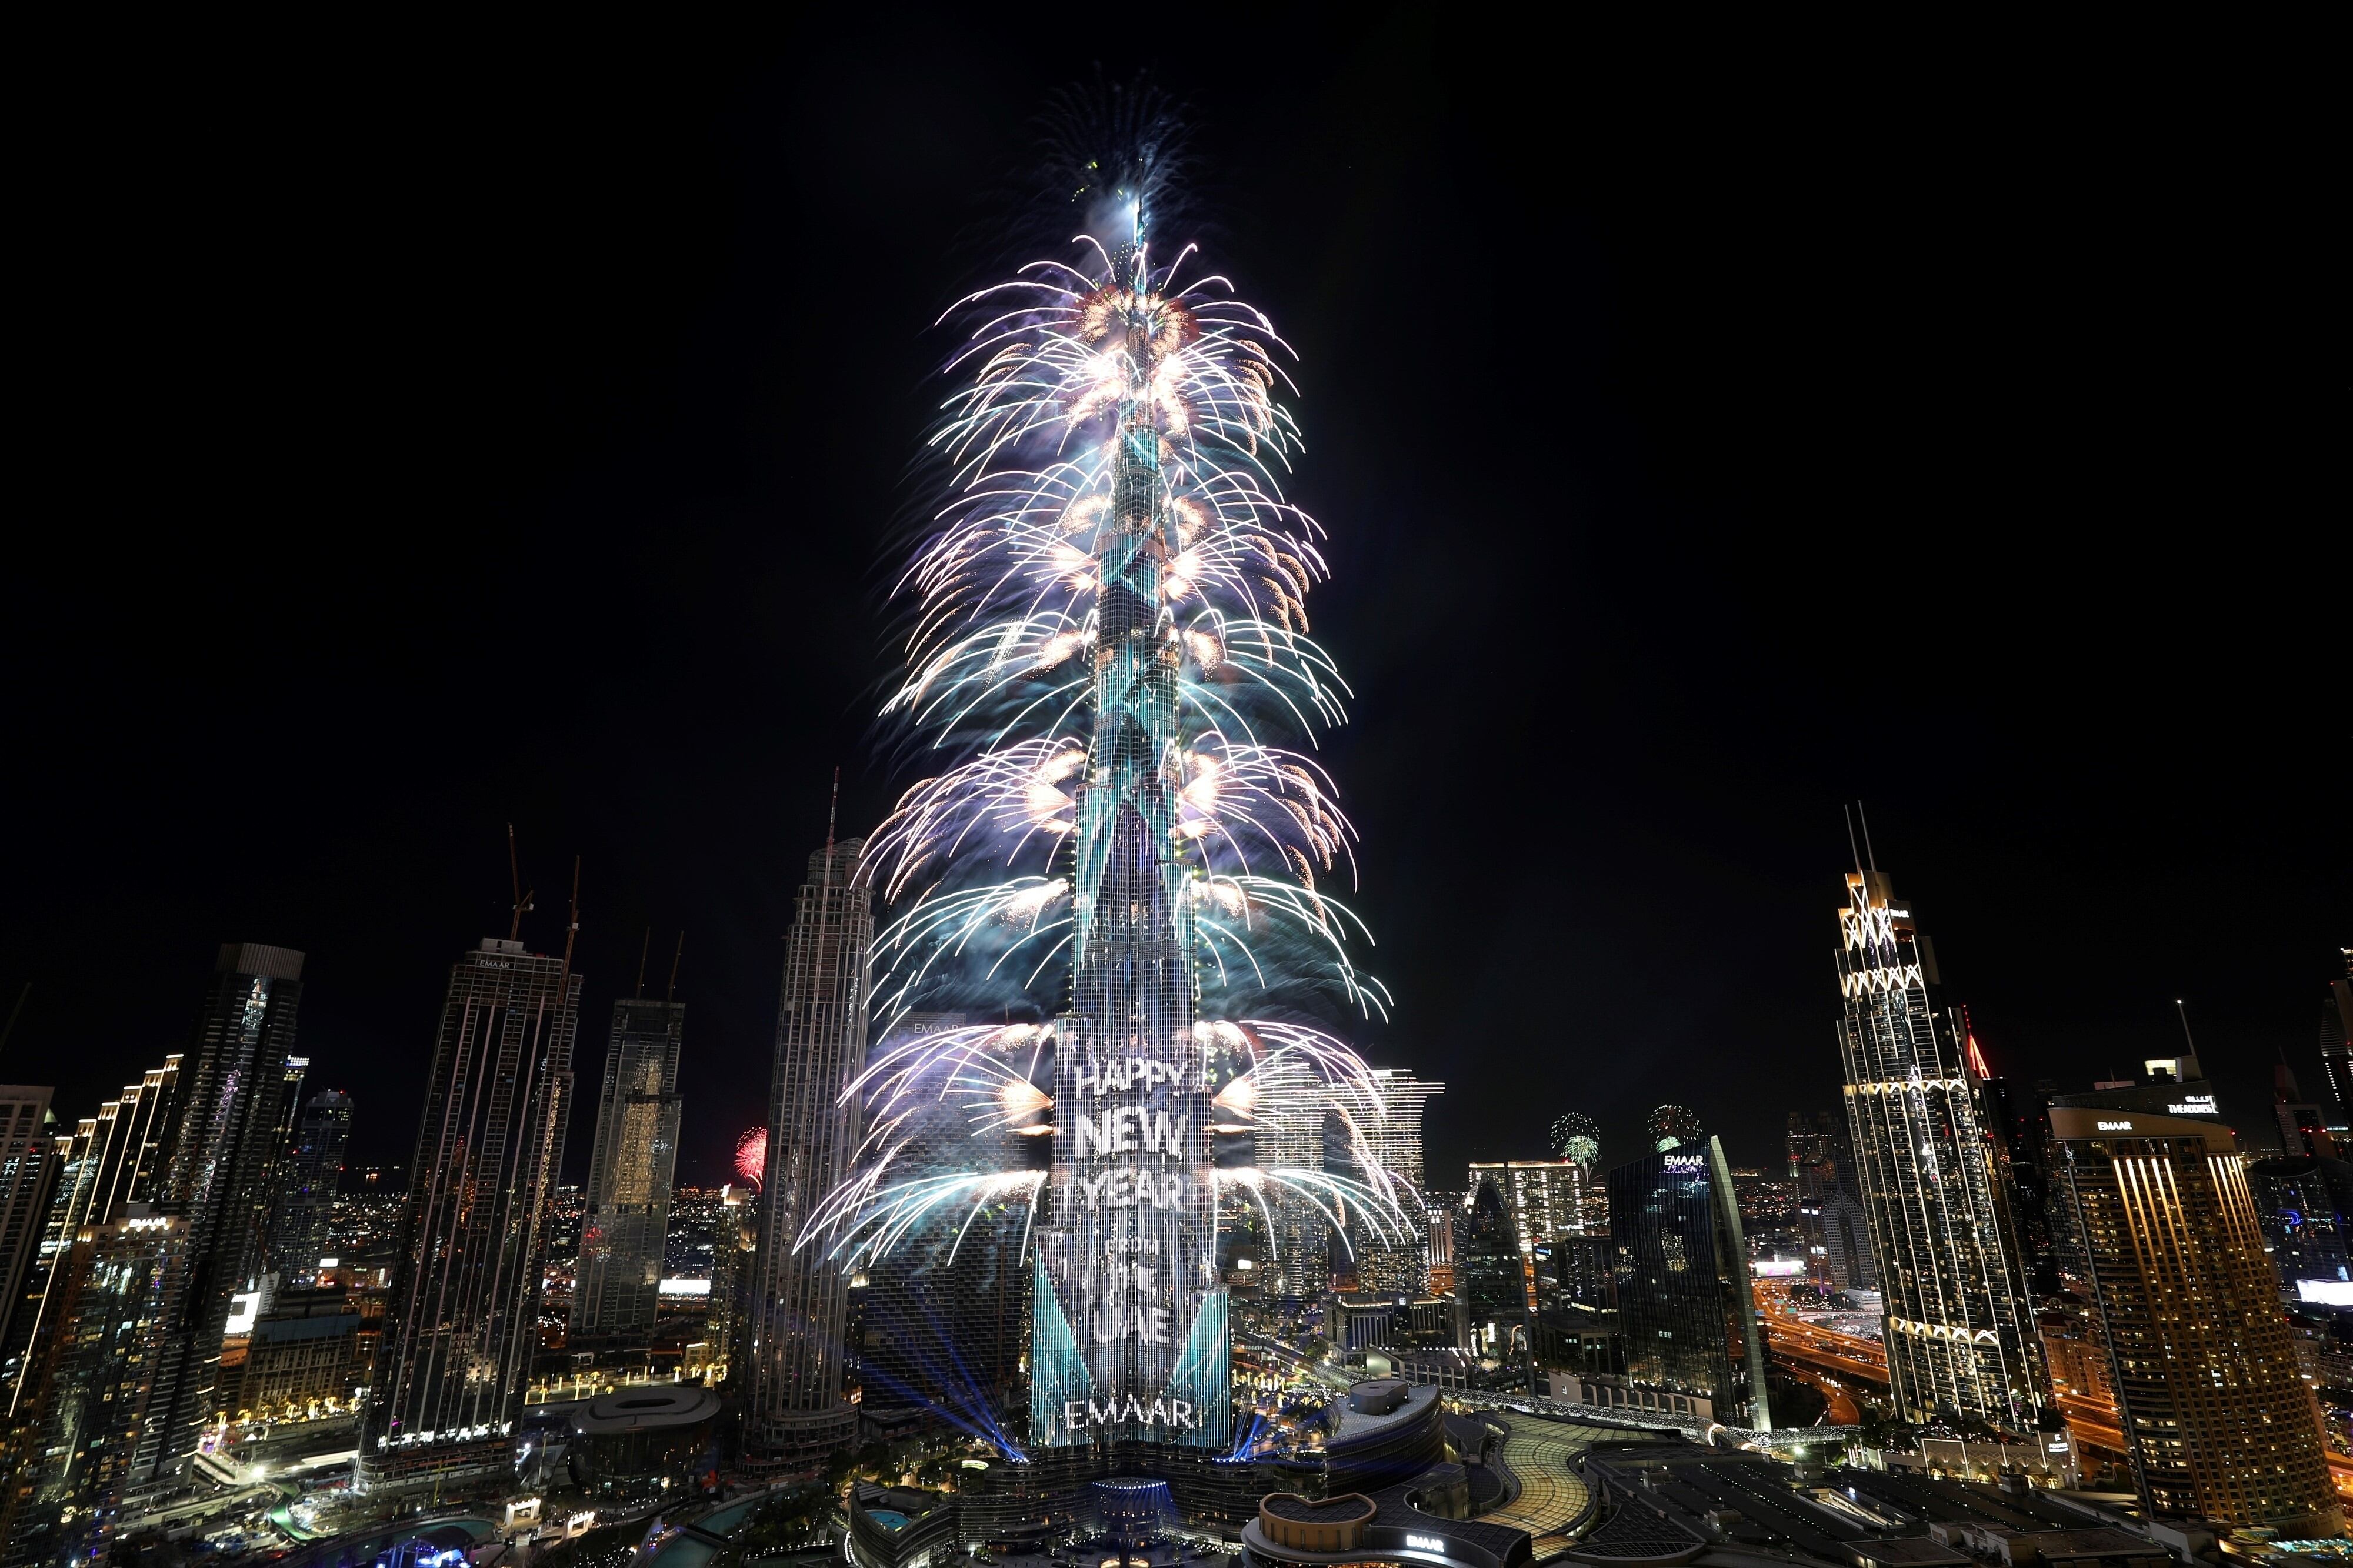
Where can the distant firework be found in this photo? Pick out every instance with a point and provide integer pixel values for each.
(1672, 1127)
(1577, 1137)
(752, 1156)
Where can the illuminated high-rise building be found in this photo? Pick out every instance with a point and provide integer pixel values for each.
(220, 1174)
(1395, 1141)
(616, 1288)
(312, 1181)
(1546, 1202)
(28, 1174)
(2336, 1040)
(1831, 1223)
(271, 1250)
(161, 1201)
(461, 1323)
(944, 1327)
(2220, 1421)
(122, 1294)
(1959, 1336)
(798, 1329)
(1291, 1135)
(109, 1160)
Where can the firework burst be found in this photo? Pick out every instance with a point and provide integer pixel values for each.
(1109, 679)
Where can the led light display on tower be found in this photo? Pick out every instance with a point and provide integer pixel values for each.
(1107, 628)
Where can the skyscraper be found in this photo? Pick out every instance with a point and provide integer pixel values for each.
(943, 1327)
(2337, 1039)
(313, 1180)
(2219, 1422)
(219, 1177)
(1394, 1141)
(617, 1286)
(1831, 1227)
(28, 1172)
(268, 1251)
(794, 1410)
(462, 1318)
(1545, 1200)
(1290, 1136)
(121, 1300)
(1490, 1278)
(110, 1159)
(1959, 1336)
(1687, 1306)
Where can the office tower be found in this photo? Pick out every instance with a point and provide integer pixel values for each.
(2305, 1205)
(735, 1250)
(462, 1317)
(28, 1174)
(1394, 1141)
(1808, 1141)
(2016, 1116)
(1490, 1277)
(2302, 1125)
(1290, 1134)
(2336, 1040)
(794, 1409)
(1687, 1306)
(944, 1327)
(1671, 1127)
(617, 1286)
(2220, 1422)
(109, 1160)
(1831, 1227)
(269, 1251)
(313, 1180)
(122, 1299)
(1958, 1334)
(219, 1175)
(1545, 1201)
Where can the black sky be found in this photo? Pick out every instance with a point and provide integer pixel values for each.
(421, 433)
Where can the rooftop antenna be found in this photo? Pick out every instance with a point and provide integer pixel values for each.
(2186, 1035)
(673, 967)
(643, 947)
(523, 903)
(1849, 812)
(14, 1013)
(830, 811)
(1862, 818)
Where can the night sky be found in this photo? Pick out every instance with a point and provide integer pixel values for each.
(446, 433)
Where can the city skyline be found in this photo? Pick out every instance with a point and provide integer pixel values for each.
(1274, 674)
(707, 1148)
(682, 479)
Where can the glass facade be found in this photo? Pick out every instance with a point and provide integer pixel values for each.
(1686, 1309)
(618, 1284)
(306, 1201)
